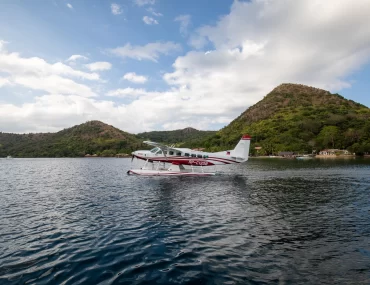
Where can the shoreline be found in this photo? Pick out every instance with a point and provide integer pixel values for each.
(315, 157)
(336, 156)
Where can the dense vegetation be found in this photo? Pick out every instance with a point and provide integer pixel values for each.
(299, 118)
(93, 137)
(184, 137)
(291, 117)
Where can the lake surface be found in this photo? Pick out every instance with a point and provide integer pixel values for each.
(270, 221)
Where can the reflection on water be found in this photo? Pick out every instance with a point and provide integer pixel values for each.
(84, 221)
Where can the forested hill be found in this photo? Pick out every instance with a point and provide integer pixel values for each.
(185, 137)
(93, 137)
(295, 117)
(291, 117)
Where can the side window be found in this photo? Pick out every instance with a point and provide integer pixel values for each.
(171, 152)
(193, 155)
(159, 152)
(178, 153)
(186, 154)
(199, 155)
(205, 156)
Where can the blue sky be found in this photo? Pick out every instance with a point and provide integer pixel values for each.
(145, 65)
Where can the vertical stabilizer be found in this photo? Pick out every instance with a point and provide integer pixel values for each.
(241, 151)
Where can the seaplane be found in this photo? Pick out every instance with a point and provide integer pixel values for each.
(165, 160)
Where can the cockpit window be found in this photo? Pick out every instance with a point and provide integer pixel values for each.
(154, 150)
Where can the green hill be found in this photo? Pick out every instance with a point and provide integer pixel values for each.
(292, 117)
(184, 137)
(295, 117)
(92, 137)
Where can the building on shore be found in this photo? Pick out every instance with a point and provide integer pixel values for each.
(287, 154)
(334, 152)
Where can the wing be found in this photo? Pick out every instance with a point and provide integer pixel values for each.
(161, 146)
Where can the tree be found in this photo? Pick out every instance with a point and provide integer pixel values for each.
(310, 125)
(269, 147)
(356, 148)
(352, 135)
(328, 135)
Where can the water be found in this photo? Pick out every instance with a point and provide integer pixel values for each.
(84, 221)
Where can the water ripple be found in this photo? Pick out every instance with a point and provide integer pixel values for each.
(83, 221)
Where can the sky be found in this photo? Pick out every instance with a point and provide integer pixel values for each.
(143, 65)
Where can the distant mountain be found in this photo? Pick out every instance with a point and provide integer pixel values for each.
(295, 117)
(183, 137)
(92, 137)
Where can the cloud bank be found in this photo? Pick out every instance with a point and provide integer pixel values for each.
(232, 65)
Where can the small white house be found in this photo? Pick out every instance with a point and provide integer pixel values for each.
(334, 152)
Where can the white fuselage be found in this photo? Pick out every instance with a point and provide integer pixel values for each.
(187, 156)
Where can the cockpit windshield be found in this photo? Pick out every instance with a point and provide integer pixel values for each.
(154, 150)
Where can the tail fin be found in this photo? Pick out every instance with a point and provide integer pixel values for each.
(241, 151)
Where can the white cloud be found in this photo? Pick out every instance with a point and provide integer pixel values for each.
(35, 73)
(2, 45)
(149, 51)
(184, 23)
(135, 78)
(69, 6)
(149, 20)
(47, 113)
(54, 84)
(13, 63)
(144, 2)
(76, 57)
(153, 12)
(4, 81)
(259, 45)
(128, 92)
(55, 112)
(100, 65)
(197, 41)
(116, 9)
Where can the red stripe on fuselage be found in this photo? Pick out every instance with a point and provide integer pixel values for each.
(188, 161)
(223, 159)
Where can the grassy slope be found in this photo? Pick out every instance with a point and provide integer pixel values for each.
(295, 117)
(88, 138)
